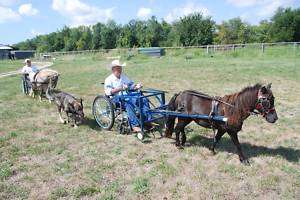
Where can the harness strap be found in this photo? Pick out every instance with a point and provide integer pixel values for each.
(213, 112)
(210, 97)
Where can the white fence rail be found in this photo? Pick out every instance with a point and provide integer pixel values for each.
(208, 48)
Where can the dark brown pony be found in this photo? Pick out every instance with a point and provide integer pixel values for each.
(235, 107)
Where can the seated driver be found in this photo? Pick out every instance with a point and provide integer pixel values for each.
(29, 69)
(118, 82)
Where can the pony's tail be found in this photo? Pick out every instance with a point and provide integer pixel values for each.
(170, 122)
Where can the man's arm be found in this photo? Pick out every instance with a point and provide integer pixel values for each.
(109, 90)
(116, 90)
(24, 70)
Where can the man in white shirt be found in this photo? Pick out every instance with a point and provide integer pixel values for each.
(118, 82)
(29, 69)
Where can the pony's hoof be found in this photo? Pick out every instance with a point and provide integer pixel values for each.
(212, 151)
(245, 162)
(179, 146)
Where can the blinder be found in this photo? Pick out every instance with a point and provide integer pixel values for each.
(265, 105)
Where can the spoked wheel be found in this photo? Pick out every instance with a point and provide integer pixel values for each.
(103, 111)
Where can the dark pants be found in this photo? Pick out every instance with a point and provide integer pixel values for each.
(26, 84)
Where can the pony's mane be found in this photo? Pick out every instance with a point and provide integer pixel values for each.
(250, 88)
(244, 99)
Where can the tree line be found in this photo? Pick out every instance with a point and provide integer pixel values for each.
(192, 30)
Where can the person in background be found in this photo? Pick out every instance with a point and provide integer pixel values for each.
(29, 69)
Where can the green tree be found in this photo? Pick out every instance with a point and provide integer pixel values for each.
(154, 32)
(141, 34)
(168, 35)
(195, 29)
(109, 35)
(96, 35)
(285, 25)
(127, 36)
(233, 31)
(85, 40)
(261, 32)
(70, 43)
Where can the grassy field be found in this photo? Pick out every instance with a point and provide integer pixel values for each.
(43, 159)
(8, 65)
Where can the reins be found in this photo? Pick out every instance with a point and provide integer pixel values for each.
(210, 97)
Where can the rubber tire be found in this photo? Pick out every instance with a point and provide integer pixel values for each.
(111, 108)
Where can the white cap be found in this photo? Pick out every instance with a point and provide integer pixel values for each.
(116, 63)
(27, 60)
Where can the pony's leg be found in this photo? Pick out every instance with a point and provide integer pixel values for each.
(40, 95)
(185, 122)
(180, 129)
(48, 94)
(216, 140)
(235, 140)
(183, 137)
(177, 132)
(60, 116)
(32, 93)
(68, 117)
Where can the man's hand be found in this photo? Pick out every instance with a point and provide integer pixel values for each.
(124, 87)
(138, 86)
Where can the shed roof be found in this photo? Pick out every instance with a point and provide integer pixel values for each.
(5, 47)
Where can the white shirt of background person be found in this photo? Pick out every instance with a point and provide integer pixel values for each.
(29, 69)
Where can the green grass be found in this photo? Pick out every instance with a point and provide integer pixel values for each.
(141, 185)
(43, 159)
(8, 65)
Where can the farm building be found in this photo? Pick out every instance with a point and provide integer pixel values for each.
(22, 54)
(152, 51)
(5, 52)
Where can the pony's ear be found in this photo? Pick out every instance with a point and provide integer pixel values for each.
(269, 86)
(263, 90)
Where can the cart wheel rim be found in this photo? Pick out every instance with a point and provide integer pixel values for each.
(140, 136)
(103, 113)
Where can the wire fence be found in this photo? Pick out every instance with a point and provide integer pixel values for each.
(208, 49)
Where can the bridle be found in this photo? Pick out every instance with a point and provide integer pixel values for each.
(264, 105)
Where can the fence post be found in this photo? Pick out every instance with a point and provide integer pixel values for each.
(263, 47)
(295, 46)
(233, 47)
(207, 49)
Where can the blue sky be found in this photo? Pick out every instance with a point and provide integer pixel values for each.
(23, 19)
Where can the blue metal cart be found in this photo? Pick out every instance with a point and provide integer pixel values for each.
(107, 110)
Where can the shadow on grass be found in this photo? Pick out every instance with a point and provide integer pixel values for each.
(250, 150)
(91, 123)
